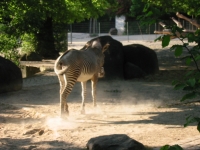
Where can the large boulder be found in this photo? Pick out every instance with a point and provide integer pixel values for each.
(114, 58)
(114, 142)
(132, 71)
(28, 71)
(32, 56)
(10, 76)
(141, 57)
(113, 31)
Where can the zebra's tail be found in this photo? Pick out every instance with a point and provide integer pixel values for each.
(59, 68)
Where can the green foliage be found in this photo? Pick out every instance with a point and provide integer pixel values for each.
(189, 7)
(40, 20)
(174, 147)
(8, 47)
(165, 40)
(150, 14)
(28, 43)
(191, 82)
(136, 8)
(192, 119)
(60, 38)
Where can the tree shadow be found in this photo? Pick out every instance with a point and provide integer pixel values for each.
(28, 144)
(176, 117)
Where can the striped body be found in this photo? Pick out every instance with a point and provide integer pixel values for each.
(79, 65)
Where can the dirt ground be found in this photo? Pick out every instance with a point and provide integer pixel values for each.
(148, 110)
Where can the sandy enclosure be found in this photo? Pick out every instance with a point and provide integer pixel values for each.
(147, 110)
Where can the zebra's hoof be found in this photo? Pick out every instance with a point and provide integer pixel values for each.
(83, 112)
(64, 115)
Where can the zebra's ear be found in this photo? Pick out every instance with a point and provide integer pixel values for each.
(105, 47)
(96, 44)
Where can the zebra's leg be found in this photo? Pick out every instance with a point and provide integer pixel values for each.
(94, 84)
(62, 97)
(83, 84)
(62, 82)
(67, 88)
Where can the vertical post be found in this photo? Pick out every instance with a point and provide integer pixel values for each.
(93, 26)
(71, 33)
(149, 32)
(149, 29)
(90, 26)
(155, 29)
(99, 29)
(127, 30)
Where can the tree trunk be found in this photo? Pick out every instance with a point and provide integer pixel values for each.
(45, 41)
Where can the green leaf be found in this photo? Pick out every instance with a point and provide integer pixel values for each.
(185, 57)
(175, 82)
(178, 51)
(179, 86)
(166, 147)
(188, 88)
(189, 120)
(191, 37)
(150, 13)
(189, 73)
(173, 147)
(146, 7)
(175, 46)
(198, 127)
(158, 39)
(191, 95)
(188, 61)
(191, 82)
(165, 40)
(197, 58)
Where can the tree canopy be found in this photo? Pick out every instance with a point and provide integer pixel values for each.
(191, 7)
(29, 15)
(42, 18)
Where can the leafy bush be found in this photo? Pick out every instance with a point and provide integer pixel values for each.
(28, 43)
(192, 77)
(9, 47)
(174, 147)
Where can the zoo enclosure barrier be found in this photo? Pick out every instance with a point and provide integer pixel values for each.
(94, 29)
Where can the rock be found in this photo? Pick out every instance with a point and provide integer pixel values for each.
(114, 142)
(142, 57)
(113, 31)
(28, 71)
(132, 71)
(114, 58)
(32, 56)
(10, 76)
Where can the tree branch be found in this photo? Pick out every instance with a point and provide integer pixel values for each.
(178, 23)
(193, 22)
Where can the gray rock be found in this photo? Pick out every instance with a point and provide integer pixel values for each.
(132, 71)
(113, 31)
(10, 76)
(114, 142)
(32, 56)
(141, 56)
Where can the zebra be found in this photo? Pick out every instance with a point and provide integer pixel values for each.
(79, 66)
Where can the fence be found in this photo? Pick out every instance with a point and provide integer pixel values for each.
(93, 29)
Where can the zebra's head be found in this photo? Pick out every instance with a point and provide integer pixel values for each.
(97, 44)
